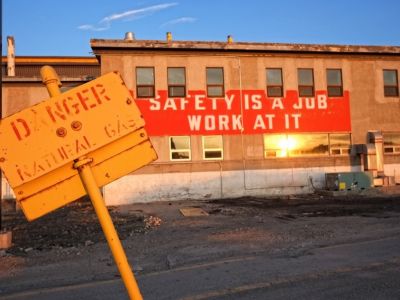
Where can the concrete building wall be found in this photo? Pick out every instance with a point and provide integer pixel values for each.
(16, 97)
(244, 169)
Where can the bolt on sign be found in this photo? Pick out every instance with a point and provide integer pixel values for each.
(38, 145)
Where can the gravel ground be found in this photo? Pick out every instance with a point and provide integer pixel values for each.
(157, 237)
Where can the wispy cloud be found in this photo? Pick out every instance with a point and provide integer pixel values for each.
(93, 28)
(105, 23)
(179, 21)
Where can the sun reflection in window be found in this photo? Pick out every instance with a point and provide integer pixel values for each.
(286, 144)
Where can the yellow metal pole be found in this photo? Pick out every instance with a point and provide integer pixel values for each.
(52, 82)
(86, 175)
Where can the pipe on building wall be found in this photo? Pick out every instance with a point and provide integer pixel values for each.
(10, 56)
(244, 168)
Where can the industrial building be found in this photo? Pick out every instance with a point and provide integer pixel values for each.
(233, 119)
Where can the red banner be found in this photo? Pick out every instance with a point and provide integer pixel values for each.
(247, 111)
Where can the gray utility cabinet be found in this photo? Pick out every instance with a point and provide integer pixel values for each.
(344, 181)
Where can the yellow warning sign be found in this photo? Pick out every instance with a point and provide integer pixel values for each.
(39, 144)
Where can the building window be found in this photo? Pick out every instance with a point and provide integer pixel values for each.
(306, 82)
(179, 147)
(334, 82)
(215, 82)
(213, 147)
(313, 144)
(391, 85)
(391, 142)
(145, 82)
(176, 82)
(339, 143)
(275, 145)
(274, 83)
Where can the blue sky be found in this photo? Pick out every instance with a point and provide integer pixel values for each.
(58, 28)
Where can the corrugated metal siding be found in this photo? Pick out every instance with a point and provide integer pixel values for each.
(71, 71)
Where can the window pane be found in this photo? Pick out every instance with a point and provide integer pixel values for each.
(391, 91)
(210, 154)
(215, 76)
(276, 145)
(176, 76)
(339, 140)
(305, 77)
(179, 147)
(306, 91)
(334, 77)
(145, 76)
(274, 91)
(176, 91)
(215, 91)
(212, 147)
(181, 155)
(391, 142)
(212, 142)
(390, 77)
(145, 91)
(308, 144)
(335, 91)
(340, 143)
(180, 142)
(274, 77)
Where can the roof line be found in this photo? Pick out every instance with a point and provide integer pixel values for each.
(158, 45)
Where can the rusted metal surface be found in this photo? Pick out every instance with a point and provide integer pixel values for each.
(66, 67)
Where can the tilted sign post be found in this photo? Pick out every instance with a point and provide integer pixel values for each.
(70, 145)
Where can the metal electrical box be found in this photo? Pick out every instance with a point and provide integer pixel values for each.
(344, 181)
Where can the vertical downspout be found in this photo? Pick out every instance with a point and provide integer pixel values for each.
(242, 117)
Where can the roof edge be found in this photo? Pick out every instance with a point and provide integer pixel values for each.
(110, 44)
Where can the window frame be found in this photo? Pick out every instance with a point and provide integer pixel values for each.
(301, 86)
(272, 86)
(222, 85)
(342, 150)
(151, 86)
(334, 86)
(170, 86)
(171, 151)
(212, 149)
(385, 86)
(395, 148)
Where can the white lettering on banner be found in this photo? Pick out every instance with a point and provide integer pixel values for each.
(170, 103)
(212, 122)
(295, 118)
(199, 102)
(260, 124)
(237, 109)
(184, 101)
(310, 103)
(322, 103)
(209, 123)
(252, 102)
(155, 105)
(229, 101)
(277, 103)
(214, 103)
